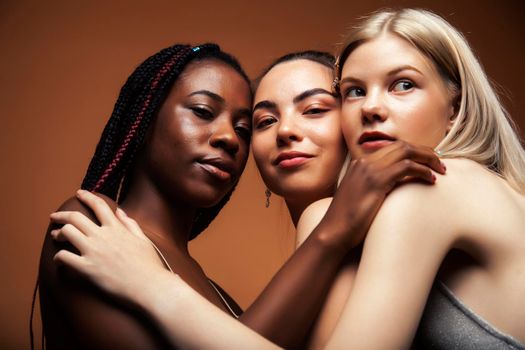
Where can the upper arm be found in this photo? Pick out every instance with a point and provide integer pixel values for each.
(404, 248)
(310, 218)
(77, 315)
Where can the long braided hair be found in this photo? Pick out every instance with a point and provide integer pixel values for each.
(137, 105)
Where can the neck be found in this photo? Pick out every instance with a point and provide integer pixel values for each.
(296, 208)
(163, 220)
(297, 205)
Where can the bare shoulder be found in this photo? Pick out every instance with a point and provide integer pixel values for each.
(76, 314)
(413, 208)
(462, 203)
(310, 218)
(73, 204)
(461, 181)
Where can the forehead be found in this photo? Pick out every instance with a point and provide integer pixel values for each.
(215, 76)
(288, 79)
(383, 54)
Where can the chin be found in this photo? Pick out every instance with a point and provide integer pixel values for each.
(208, 198)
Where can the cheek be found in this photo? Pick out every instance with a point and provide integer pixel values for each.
(261, 149)
(423, 123)
(350, 126)
(329, 138)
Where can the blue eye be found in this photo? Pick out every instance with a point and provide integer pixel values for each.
(403, 85)
(354, 92)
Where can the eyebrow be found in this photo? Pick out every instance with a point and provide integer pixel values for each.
(312, 92)
(390, 73)
(209, 94)
(402, 68)
(272, 105)
(265, 105)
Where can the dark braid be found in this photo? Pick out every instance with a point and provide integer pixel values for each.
(138, 103)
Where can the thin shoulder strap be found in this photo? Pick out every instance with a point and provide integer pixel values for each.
(221, 293)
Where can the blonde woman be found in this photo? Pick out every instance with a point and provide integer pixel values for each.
(442, 266)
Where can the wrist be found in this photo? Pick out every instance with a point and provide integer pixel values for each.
(151, 297)
(341, 231)
(332, 237)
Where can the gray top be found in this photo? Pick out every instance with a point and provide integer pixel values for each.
(449, 324)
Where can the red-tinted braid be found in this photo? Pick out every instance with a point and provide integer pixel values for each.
(133, 130)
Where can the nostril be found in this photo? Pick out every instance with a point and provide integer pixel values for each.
(229, 144)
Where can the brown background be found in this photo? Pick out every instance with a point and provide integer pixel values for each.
(63, 62)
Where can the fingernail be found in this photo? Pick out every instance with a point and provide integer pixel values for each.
(53, 233)
(80, 192)
(122, 212)
(52, 215)
(433, 178)
(444, 166)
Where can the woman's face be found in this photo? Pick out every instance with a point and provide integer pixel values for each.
(199, 142)
(297, 141)
(391, 91)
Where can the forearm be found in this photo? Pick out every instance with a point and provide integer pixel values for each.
(288, 306)
(191, 322)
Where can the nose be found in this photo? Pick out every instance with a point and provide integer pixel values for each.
(224, 136)
(288, 130)
(373, 108)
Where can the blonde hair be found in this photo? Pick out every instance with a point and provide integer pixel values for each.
(482, 129)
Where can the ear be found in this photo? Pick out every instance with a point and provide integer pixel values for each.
(453, 110)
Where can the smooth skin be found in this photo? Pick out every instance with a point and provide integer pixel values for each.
(344, 226)
(424, 232)
(182, 140)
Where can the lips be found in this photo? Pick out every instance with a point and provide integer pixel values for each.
(219, 167)
(374, 140)
(287, 160)
(372, 136)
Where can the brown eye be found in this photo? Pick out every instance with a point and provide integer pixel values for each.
(316, 110)
(202, 113)
(244, 132)
(264, 122)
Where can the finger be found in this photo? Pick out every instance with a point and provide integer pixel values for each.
(409, 169)
(71, 260)
(77, 219)
(421, 154)
(69, 233)
(102, 210)
(130, 224)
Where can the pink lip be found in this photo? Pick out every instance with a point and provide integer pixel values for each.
(374, 140)
(220, 168)
(288, 160)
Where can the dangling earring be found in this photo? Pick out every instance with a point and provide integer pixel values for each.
(267, 193)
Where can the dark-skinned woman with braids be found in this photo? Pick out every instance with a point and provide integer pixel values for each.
(183, 171)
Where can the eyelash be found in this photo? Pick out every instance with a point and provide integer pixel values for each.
(403, 81)
(202, 113)
(316, 110)
(244, 132)
(348, 91)
(264, 122)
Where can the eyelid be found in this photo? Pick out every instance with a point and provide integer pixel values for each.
(402, 80)
(262, 119)
(348, 89)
